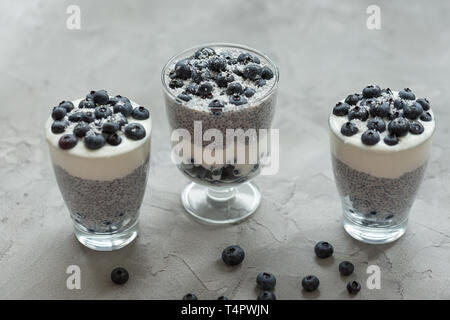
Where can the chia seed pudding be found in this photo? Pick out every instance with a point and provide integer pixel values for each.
(380, 143)
(100, 149)
(222, 87)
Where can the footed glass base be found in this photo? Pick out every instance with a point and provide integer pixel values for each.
(221, 206)
(106, 241)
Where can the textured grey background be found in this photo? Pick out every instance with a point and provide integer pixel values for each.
(324, 51)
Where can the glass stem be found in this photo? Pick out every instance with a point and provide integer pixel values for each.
(220, 194)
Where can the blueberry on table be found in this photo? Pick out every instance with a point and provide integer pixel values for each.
(234, 87)
(267, 295)
(101, 97)
(233, 255)
(353, 99)
(67, 141)
(266, 281)
(406, 94)
(426, 116)
(380, 110)
(416, 127)
(266, 73)
(88, 104)
(114, 139)
(119, 275)
(81, 129)
(183, 70)
(391, 140)
(323, 249)
(348, 129)
(371, 91)
(58, 126)
(237, 99)
(399, 126)
(376, 124)
(310, 283)
(110, 127)
(413, 111)
(135, 131)
(370, 137)
(140, 113)
(58, 113)
(353, 287)
(94, 141)
(346, 268)
(341, 109)
(252, 71)
(424, 103)
(249, 92)
(223, 298)
(190, 296)
(102, 112)
(68, 105)
(357, 112)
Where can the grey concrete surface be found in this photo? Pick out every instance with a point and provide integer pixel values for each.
(324, 51)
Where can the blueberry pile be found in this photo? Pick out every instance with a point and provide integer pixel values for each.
(98, 119)
(383, 110)
(222, 77)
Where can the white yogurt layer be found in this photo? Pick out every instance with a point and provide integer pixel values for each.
(381, 160)
(107, 163)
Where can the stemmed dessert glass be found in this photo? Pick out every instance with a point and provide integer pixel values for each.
(221, 193)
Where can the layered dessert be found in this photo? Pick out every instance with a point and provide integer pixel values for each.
(222, 87)
(380, 143)
(100, 148)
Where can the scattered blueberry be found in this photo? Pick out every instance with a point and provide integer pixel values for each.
(357, 112)
(266, 73)
(252, 71)
(399, 126)
(101, 97)
(249, 92)
(89, 104)
(380, 110)
(217, 64)
(353, 287)
(58, 113)
(413, 111)
(110, 127)
(135, 131)
(348, 129)
(266, 281)
(237, 99)
(341, 109)
(406, 94)
(205, 89)
(371, 91)
(376, 124)
(102, 112)
(310, 283)
(391, 140)
(114, 139)
(267, 295)
(140, 113)
(204, 53)
(119, 275)
(234, 87)
(353, 99)
(233, 255)
(58, 126)
(426, 116)
(323, 249)
(424, 103)
(68, 105)
(67, 141)
(81, 129)
(94, 141)
(416, 127)
(185, 97)
(370, 137)
(346, 268)
(176, 83)
(183, 70)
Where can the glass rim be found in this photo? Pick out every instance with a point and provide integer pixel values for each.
(227, 45)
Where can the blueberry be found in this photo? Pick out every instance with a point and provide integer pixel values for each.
(395, 115)
(122, 120)
(249, 92)
(119, 275)
(370, 137)
(222, 298)
(59, 126)
(205, 89)
(204, 53)
(399, 104)
(192, 88)
(102, 112)
(94, 141)
(399, 126)
(123, 99)
(101, 97)
(371, 91)
(348, 129)
(416, 127)
(185, 97)
(58, 113)
(245, 58)
(190, 296)
(256, 59)
(126, 109)
(426, 116)
(266, 73)
(424, 103)
(110, 127)
(68, 105)
(135, 131)
(353, 99)
(353, 287)
(380, 110)
(323, 249)
(81, 129)
(199, 76)
(183, 70)
(266, 281)
(260, 83)
(114, 139)
(75, 117)
(357, 112)
(234, 87)
(238, 72)
(391, 140)
(113, 100)
(88, 117)
(217, 64)
(252, 71)
(223, 79)
(140, 113)
(233, 255)
(67, 141)
(413, 111)
(176, 83)
(267, 295)
(90, 95)
(406, 94)
(376, 124)
(216, 103)
(346, 268)
(89, 104)
(341, 109)
(237, 99)
(310, 283)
